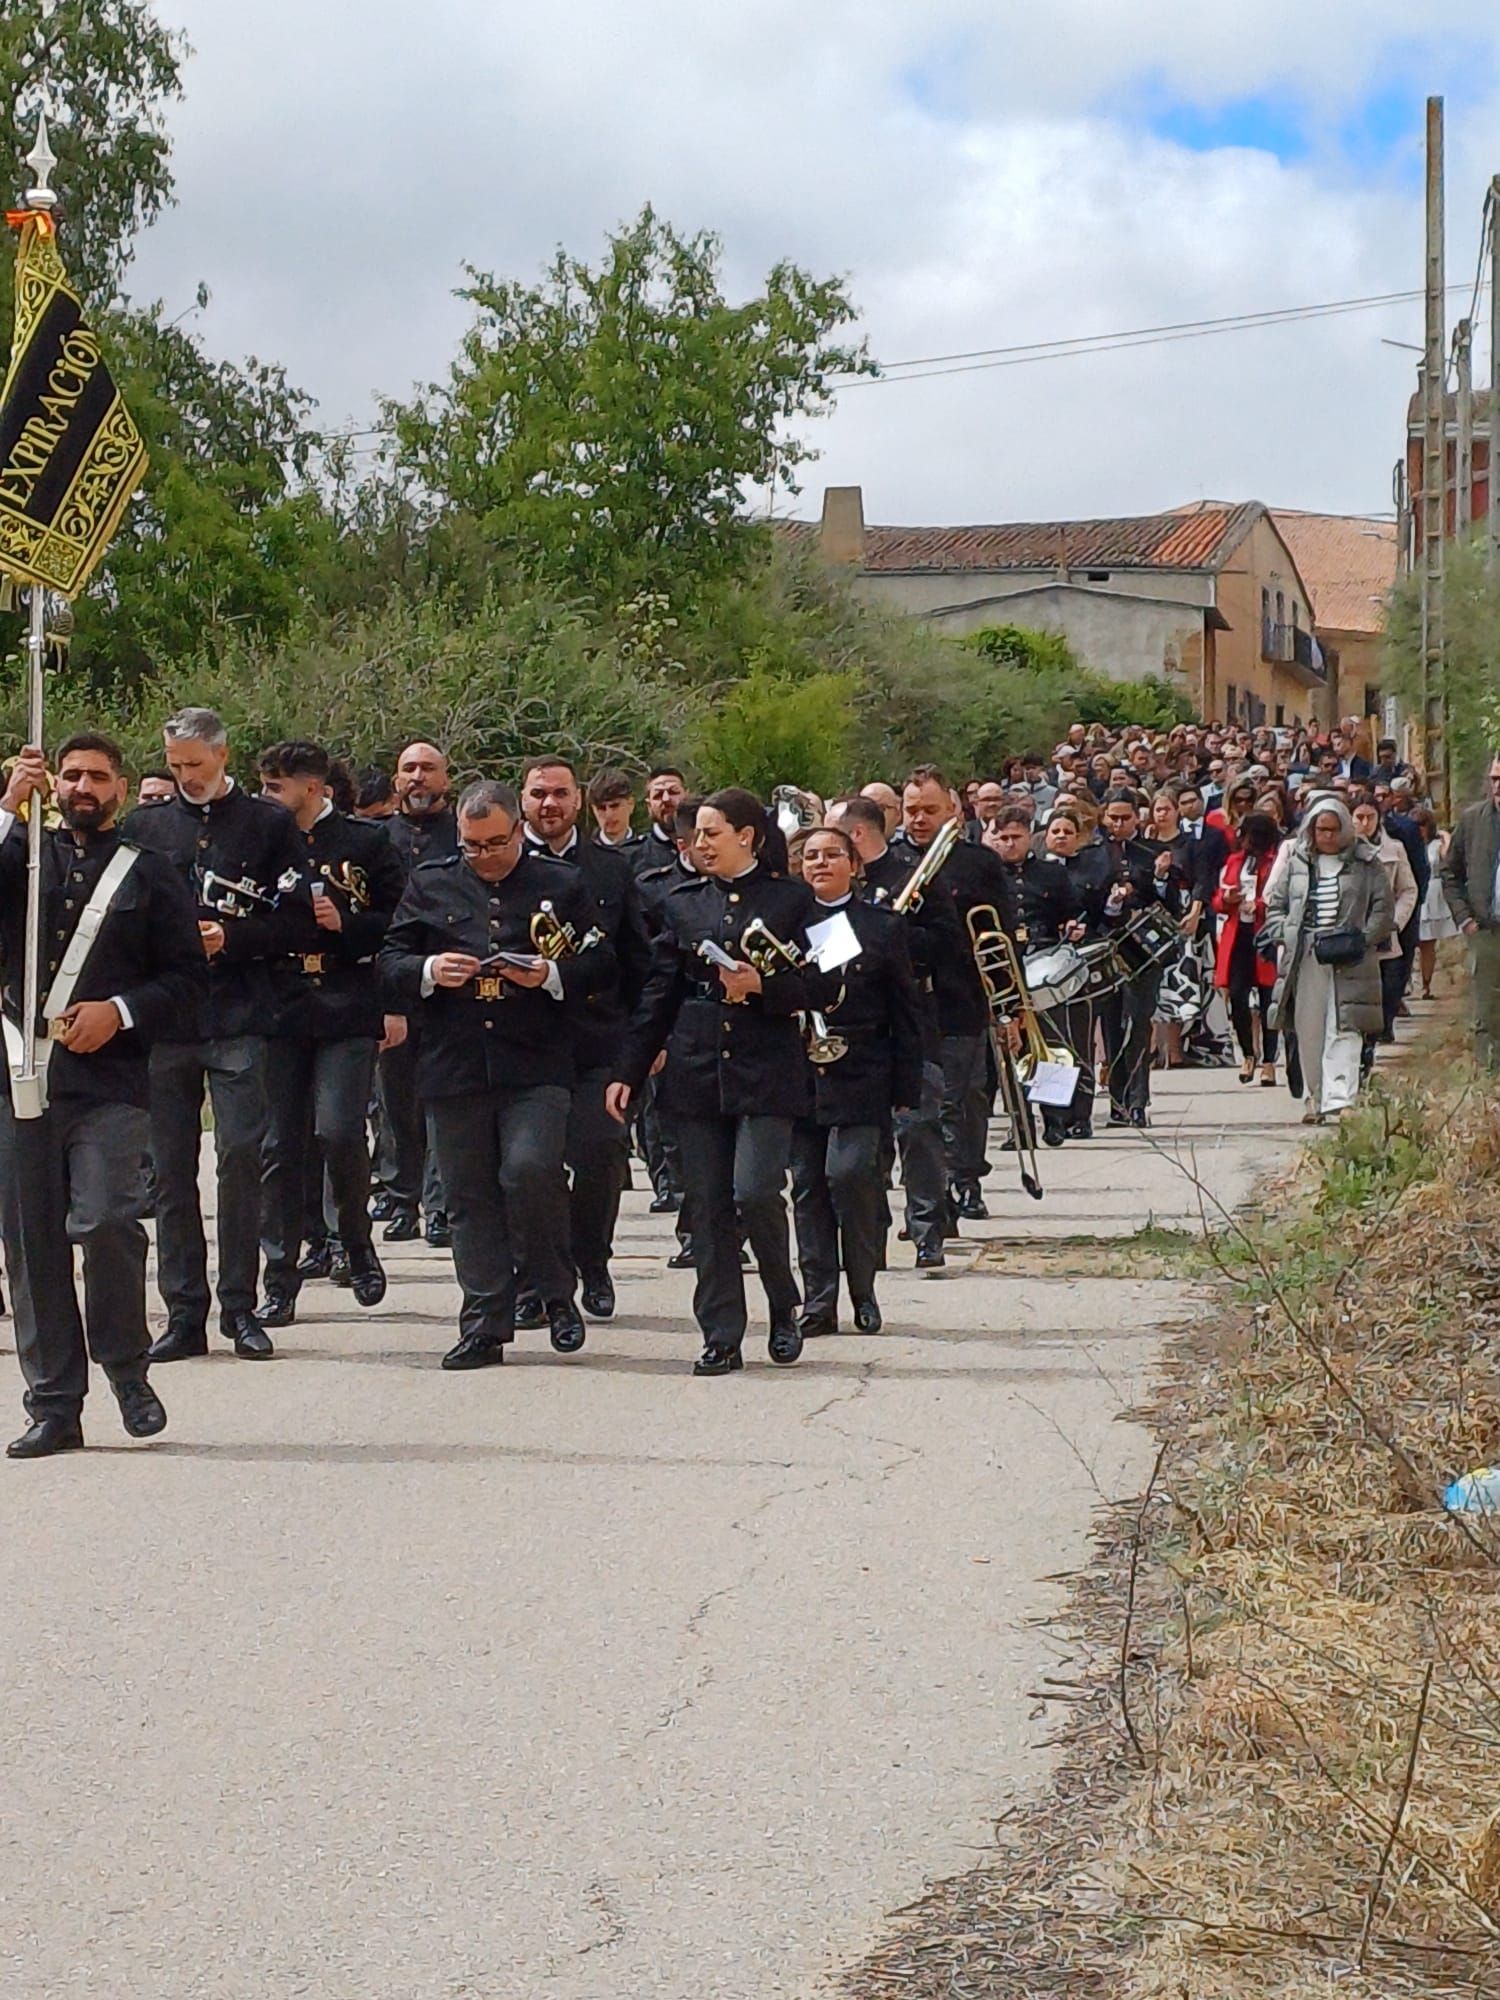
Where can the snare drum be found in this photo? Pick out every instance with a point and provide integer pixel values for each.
(1145, 940)
(1056, 976)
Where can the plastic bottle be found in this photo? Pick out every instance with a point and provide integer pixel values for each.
(1476, 1493)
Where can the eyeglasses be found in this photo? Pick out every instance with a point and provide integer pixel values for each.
(475, 850)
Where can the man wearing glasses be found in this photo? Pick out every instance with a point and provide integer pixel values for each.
(1471, 884)
(495, 1068)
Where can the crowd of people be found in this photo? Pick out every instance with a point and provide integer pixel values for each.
(457, 1012)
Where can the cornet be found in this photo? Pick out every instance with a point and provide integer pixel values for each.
(555, 939)
(768, 953)
(349, 877)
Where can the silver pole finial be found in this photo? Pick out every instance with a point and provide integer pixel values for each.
(41, 160)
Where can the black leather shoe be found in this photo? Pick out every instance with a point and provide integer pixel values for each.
(867, 1316)
(682, 1260)
(278, 1307)
(403, 1227)
(439, 1231)
(384, 1206)
(339, 1272)
(1054, 1135)
(141, 1410)
(317, 1261)
(251, 1341)
(930, 1257)
(475, 1350)
(568, 1330)
(183, 1340)
(598, 1295)
(816, 1326)
(46, 1437)
(530, 1311)
(970, 1202)
(785, 1344)
(664, 1202)
(366, 1278)
(718, 1361)
(1140, 1119)
(1118, 1117)
(1084, 1129)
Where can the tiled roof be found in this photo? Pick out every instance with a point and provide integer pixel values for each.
(1203, 540)
(1347, 561)
(1450, 407)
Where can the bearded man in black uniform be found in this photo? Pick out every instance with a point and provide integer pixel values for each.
(241, 857)
(328, 1024)
(76, 1176)
(736, 1077)
(839, 1154)
(495, 1067)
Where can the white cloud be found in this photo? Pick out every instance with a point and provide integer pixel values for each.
(339, 160)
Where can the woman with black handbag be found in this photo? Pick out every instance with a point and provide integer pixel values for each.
(1330, 909)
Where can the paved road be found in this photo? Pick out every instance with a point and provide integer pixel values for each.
(576, 1678)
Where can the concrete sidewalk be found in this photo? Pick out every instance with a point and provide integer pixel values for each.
(577, 1678)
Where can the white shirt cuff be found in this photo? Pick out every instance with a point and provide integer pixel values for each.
(429, 984)
(7, 821)
(127, 1019)
(553, 982)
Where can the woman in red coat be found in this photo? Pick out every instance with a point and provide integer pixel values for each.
(1240, 972)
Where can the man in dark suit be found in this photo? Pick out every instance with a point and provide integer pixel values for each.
(76, 1176)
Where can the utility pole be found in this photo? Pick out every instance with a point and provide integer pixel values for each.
(1434, 498)
(1463, 370)
(1494, 422)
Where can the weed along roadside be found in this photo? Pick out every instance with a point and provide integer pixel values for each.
(1280, 1729)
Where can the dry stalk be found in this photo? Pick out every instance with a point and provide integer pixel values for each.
(1378, 1886)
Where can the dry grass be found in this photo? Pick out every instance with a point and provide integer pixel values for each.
(1280, 1775)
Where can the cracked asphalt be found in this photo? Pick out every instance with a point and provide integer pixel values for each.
(577, 1678)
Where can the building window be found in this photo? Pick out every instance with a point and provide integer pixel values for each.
(1280, 716)
(1232, 695)
(1096, 576)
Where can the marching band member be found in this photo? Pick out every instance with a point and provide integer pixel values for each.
(329, 1022)
(736, 1076)
(495, 1066)
(1085, 867)
(839, 1152)
(658, 1135)
(1138, 879)
(1051, 913)
(597, 1152)
(243, 859)
(75, 1177)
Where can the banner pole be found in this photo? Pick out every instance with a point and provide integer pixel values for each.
(31, 983)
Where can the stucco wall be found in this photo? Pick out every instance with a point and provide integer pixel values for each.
(1262, 561)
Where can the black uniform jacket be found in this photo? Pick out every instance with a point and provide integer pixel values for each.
(489, 1035)
(932, 932)
(1090, 877)
(1182, 882)
(725, 1060)
(1048, 900)
(970, 877)
(237, 839)
(878, 1014)
(332, 991)
(148, 953)
(654, 851)
(1132, 864)
(600, 1016)
(655, 885)
(426, 837)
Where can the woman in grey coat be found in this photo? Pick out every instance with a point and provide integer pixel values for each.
(1333, 881)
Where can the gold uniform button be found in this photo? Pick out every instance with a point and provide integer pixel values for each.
(734, 895)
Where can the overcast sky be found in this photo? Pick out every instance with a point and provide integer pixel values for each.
(984, 172)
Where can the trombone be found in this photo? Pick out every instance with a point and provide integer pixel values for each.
(909, 896)
(768, 953)
(1008, 1001)
(556, 939)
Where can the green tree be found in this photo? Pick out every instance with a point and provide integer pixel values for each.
(1471, 659)
(770, 730)
(604, 425)
(110, 66)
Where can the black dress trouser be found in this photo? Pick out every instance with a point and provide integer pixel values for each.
(409, 1170)
(736, 1170)
(233, 1071)
(1126, 1016)
(500, 1153)
(924, 1163)
(318, 1093)
(839, 1209)
(598, 1157)
(75, 1179)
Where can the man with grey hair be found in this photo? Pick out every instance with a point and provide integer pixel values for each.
(241, 858)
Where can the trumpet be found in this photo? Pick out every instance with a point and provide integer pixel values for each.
(769, 954)
(909, 896)
(555, 939)
(349, 877)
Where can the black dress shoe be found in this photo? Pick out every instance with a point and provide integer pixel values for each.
(682, 1260)
(1140, 1118)
(785, 1344)
(568, 1329)
(1054, 1135)
(251, 1341)
(598, 1295)
(439, 1231)
(718, 1361)
(530, 1311)
(339, 1272)
(867, 1316)
(278, 1307)
(1084, 1129)
(475, 1350)
(664, 1202)
(970, 1202)
(1118, 1117)
(816, 1326)
(141, 1410)
(183, 1340)
(931, 1257)
(384, 1206)
(366, 1278)
(46, 1437)
(403, 1227)
(317, 1260)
